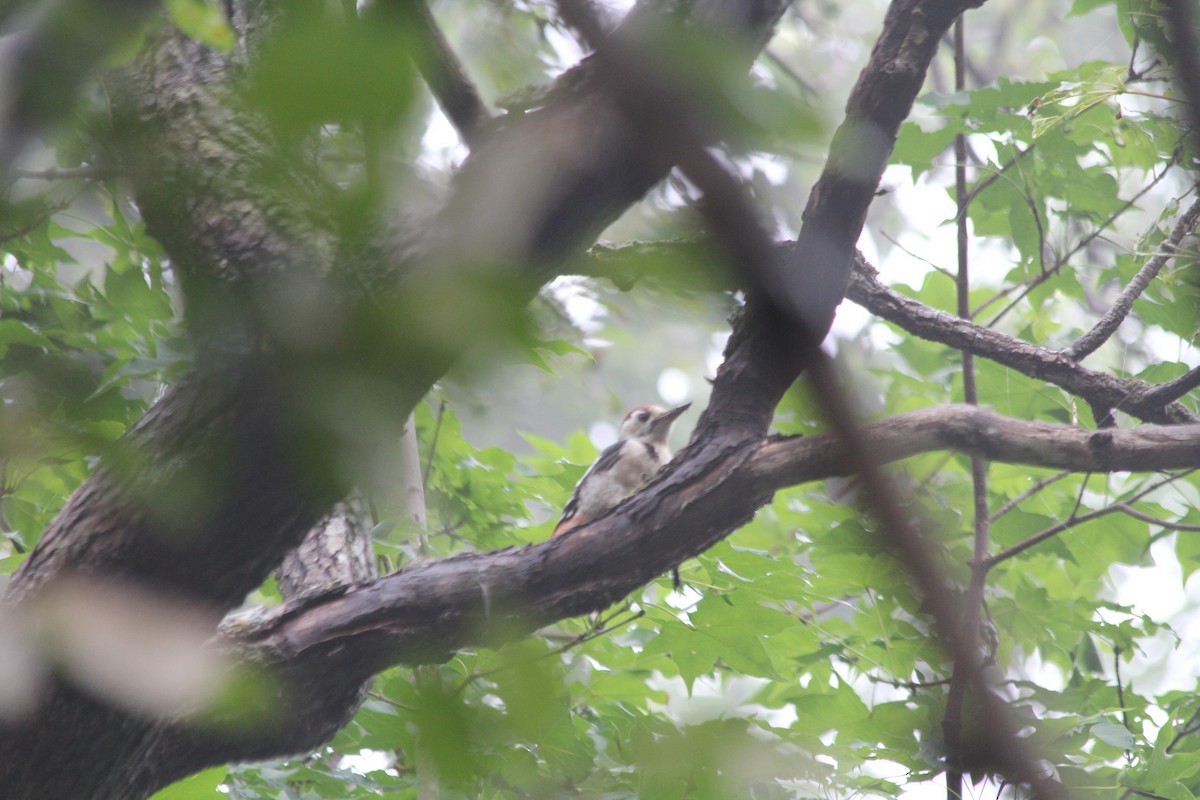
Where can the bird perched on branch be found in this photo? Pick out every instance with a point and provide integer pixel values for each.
(623, 467)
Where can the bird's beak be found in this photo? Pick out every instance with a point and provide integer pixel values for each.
(664, 422)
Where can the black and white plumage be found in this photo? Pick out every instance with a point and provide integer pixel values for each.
(623, 467)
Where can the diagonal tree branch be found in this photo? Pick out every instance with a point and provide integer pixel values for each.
(1078, 519)
(1119, 310)
(1100, 389)
(426, 612)
(1171, 391)
(1025, 287)
(1152, 403)
(806, 316)
(443, 72)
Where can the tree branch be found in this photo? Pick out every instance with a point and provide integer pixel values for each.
(1119, 310)
(1029, 284)
(1131, 396)
(1074, 520)
(444, 73)
(1171, 391)
(1152, 403)
(428, 611)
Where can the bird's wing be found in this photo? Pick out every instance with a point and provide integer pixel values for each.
(609, 457)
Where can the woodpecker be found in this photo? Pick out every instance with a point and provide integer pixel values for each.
(623, 467)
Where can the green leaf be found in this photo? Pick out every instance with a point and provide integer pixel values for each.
(1081, 7)
(204, 21)
(1116, 735)
(201, 786)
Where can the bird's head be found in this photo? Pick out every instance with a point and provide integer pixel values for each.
(651, 423)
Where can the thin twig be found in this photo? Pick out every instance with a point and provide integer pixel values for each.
(995, 176)
(1028, 493)
(912, 686)
(896, 243)
(1075, 520)
(1143, 793)
(933, 473)
(1192, 725)
(1116, 314)
(43, 214)
(1030, 284)
(1185, 527)
(961, 677)
(437, 432)
(601, 628)
(1120, 689)
(794, 76)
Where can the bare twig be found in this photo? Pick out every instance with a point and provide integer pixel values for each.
(1120, 688)
(1013, 502)
(969, 623)
(437, 432)
(995, 176)
(38, 219)
(1075, 520)
(1116, 314)
(912, 686)
(1192, 726)
(1128, 511)
(603, 627)
(1027, 286)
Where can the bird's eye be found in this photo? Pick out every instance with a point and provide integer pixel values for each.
(643, 416)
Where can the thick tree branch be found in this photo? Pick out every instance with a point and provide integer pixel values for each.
(426, 612)
(979, 432)
(812, 279)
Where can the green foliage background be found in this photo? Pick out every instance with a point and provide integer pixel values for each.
(796, 661)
